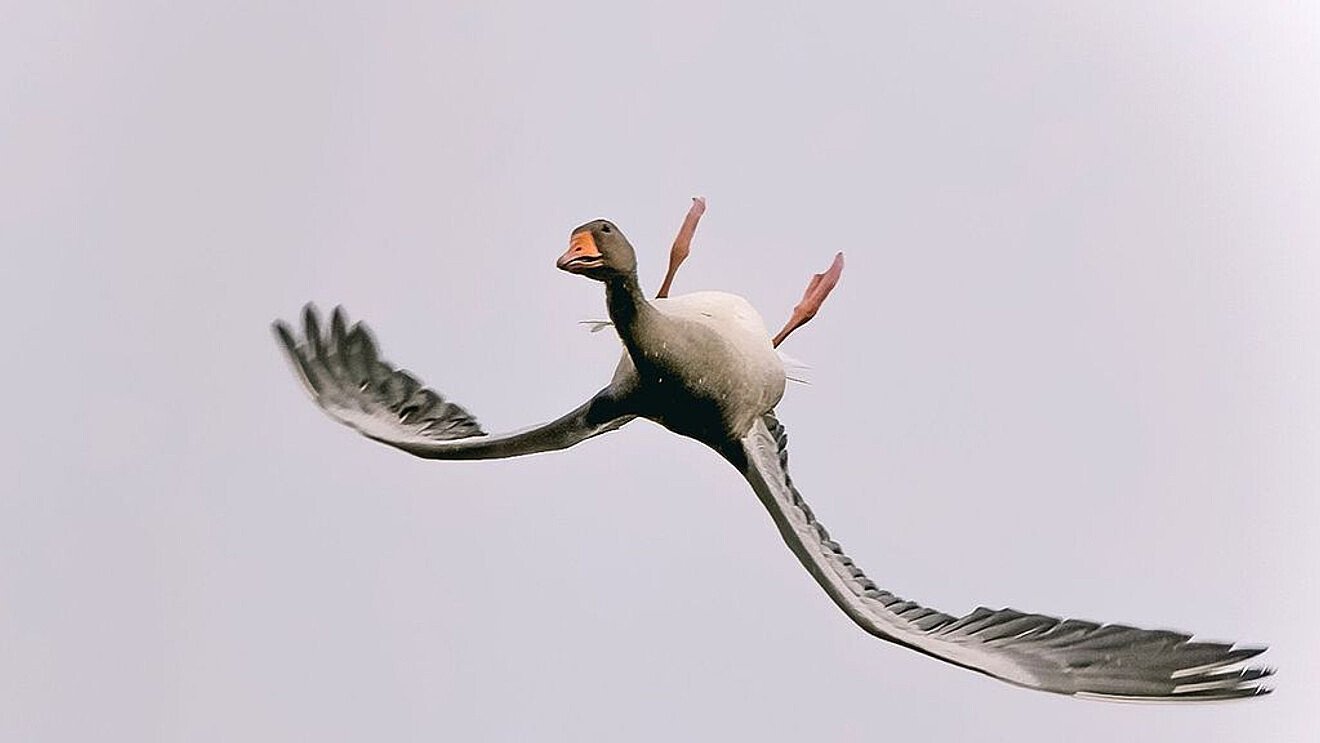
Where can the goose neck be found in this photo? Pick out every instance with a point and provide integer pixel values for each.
(627, 305)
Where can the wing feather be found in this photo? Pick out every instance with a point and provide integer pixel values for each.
(345, 375)
(1065, 656)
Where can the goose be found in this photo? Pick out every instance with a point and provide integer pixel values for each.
(704, 366)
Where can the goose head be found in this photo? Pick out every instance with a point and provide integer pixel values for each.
(598, 250)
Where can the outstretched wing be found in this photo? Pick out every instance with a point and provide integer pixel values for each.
(348, 379)
(1064, 656)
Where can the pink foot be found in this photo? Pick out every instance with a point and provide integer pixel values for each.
(682, 243)
(817, 290)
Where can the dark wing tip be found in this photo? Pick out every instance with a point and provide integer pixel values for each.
(1244, 691)
(1226, 677)
(340, 365)
(1244, 652)
(294, 353)
(284, 335)
(338, 328)
(312, 329)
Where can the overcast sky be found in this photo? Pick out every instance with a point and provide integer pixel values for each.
(1071, 367)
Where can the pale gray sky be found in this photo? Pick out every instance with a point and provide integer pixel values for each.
(1070, 368)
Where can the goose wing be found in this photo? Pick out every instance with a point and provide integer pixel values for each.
(1040, 652)
(346, 377)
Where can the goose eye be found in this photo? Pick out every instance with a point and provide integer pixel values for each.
(605, 228)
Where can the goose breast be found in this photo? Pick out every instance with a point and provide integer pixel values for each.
(734, 365)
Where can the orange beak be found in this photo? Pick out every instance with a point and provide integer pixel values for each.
(582, 254)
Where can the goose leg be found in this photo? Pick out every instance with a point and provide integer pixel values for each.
(817, 290)
(682, 243)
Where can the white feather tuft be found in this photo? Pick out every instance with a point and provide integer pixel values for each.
(596, 325)
(794, 370)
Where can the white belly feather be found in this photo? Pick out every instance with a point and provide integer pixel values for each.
(750, 379)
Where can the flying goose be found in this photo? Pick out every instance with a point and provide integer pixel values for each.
(704, 366)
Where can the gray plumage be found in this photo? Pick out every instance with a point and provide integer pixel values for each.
(703, 366)
(1065, 656)
(345, 375)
